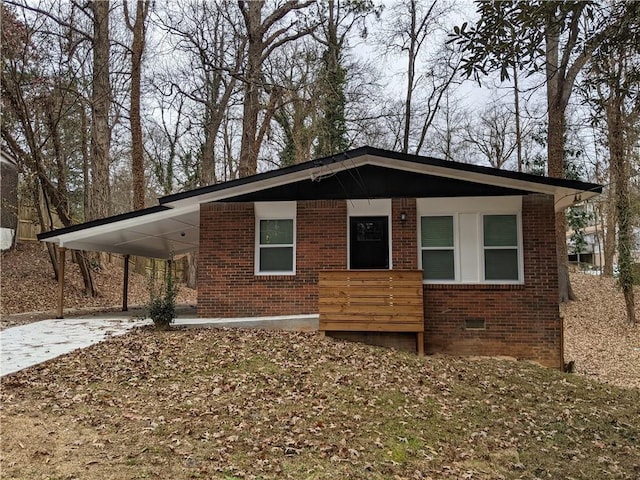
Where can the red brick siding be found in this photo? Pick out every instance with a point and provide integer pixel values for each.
(520, 321)
(404, 238)
(227, 285)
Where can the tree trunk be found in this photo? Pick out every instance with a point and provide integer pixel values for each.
(51, 249)
(620, 177)
(516, 103)
(611, 221)
(251, 103)
(555, 153)
(258, 49)
(85, 270)
(410, 77)
(190, 270)
(86, 195)
(100, 102)
(137, 150)
(557, 98)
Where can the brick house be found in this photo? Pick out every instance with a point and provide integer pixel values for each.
(383, 245)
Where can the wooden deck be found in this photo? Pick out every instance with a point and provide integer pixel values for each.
(372, 301)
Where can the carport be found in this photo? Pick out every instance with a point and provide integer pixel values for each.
(157, 232)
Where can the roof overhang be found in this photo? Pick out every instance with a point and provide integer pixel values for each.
(157, 232)
(172, 228)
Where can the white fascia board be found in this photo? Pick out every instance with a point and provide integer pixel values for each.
(127, 224)
(474, 177)
(564, 197)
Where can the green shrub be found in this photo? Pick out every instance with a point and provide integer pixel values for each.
(161, 307)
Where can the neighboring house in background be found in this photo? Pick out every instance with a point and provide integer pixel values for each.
(383, 245)
(8, 200)
(592, 252)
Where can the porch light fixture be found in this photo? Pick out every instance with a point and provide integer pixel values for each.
(403, 217)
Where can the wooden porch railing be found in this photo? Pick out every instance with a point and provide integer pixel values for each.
(372, 301)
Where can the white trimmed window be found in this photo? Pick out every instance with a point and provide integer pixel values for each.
(437, 247)
(470, 240)
(500, 239)
(275, 238)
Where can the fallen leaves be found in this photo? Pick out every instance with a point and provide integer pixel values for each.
(258, 404)
(597, 335)
(28, 285)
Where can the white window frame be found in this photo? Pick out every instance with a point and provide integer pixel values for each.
(518, 247)
(469, 254)
(455, 248)
(274, 211)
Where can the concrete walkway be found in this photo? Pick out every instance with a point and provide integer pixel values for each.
(27, 345)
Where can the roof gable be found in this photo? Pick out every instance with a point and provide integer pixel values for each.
(373, 181)
(173, 226)
(321, 169)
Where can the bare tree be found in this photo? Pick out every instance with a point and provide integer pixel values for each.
(138, 29)
(264, 35)
(447, 135)
(100, 103)
(42, 112)
(415, 30)
(212, 50)
(491, 134)
(295, 70)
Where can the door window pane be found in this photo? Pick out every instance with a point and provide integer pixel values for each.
(370, 231)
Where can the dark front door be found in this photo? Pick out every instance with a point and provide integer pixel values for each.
(369, 244)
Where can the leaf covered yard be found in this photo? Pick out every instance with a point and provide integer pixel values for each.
(255, 404)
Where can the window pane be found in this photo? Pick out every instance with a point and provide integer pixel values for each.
(501, 264)
(437, 231)
(278, 259)
(438, 265)
(370, 231)
(276, 232)
(500, 231)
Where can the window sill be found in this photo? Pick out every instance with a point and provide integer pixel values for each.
(474, 286)
(274, 275)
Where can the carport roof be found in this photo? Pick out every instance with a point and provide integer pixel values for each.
(172, 227)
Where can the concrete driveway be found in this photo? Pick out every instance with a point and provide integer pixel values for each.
(37, 342)
(27, 345)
